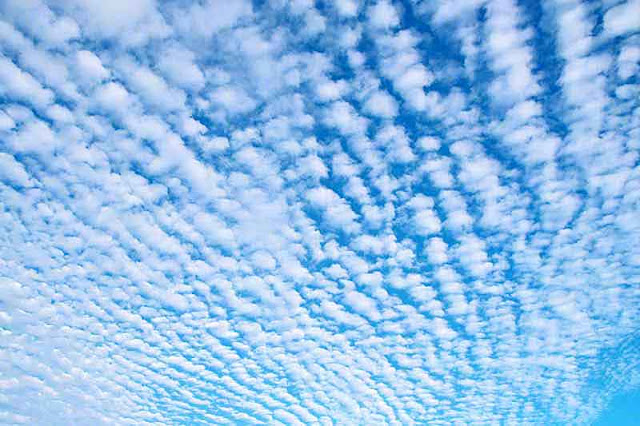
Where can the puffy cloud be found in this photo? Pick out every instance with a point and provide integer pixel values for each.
(206, 18)
(6, 122)
(362, 304)
(437, 251)
(90, 67)
(114, 98)
(130, 24)
(21, 85)
(628, 61)
(343, 116)
(347, 8)
(381, 104)
(622, 18)
(383, 15)
(285, 212)
(428, 143)
(12, 171)
(401, 63)
(37, 19)
(507, 45)
(34, 137)
(152, 89)
(336, 211)
(177, 63)
(331, 90)
(233, 100)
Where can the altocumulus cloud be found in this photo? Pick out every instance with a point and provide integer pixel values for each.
(304, 212)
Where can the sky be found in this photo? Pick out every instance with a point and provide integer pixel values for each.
(307, 212)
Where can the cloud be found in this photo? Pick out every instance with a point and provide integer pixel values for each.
(347, 8)
(118, 20)
(13, 171)
(39, 21)
(401, 63)
(233, 100)
(296, 212)
(90, 67)
(383, 15)
(35, 137)
(21, 85)
(343, 116)
(622, 18)
(335, 210)
(437, 251)
(177, 63)
(381, 105)
(206, 18)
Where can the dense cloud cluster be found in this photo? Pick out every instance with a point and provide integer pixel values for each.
(305, 212)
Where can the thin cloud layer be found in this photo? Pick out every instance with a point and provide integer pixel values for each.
(299, 212)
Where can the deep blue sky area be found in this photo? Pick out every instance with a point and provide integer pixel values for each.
(313, 212)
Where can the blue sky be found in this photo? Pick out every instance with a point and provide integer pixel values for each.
(312, 212)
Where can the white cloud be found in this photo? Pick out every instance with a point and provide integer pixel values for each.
(6, 122)
(336, 211)
(263, 260)
(347, 8)
(41, 22)
(628, 61)
(401, 63)
(362, 304)
(437, 251)
(331, 90)
(381, 104)
(622, 18)
(206, 18)
(22, 85)
(177, 63)
(288, 212)
(428, 143)
(90, 67)
(131, 24)
(113, 97)
(507, 45)
(383, 15)
(343, 116)
(35, 137)
(13, 171)
(233, 100)
(151, 88)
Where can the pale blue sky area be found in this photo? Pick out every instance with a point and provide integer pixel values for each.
(623, 410)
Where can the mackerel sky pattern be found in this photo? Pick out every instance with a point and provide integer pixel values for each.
(289, 212)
